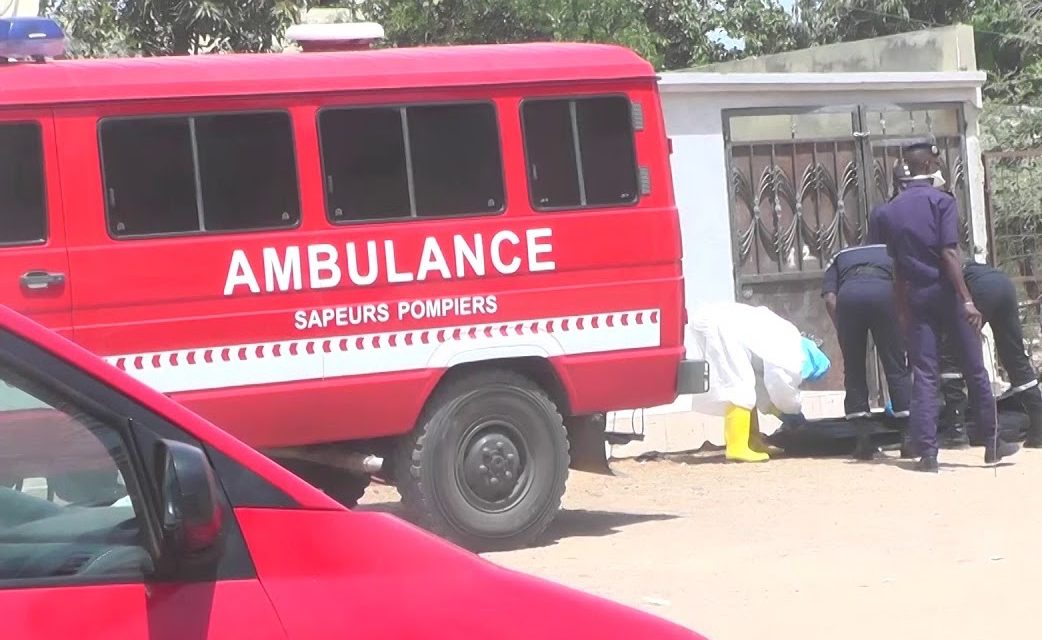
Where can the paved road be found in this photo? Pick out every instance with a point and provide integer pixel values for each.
(807, 549)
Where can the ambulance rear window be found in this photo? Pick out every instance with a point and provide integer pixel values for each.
(192, 174)
(23, 211)
(414, 161)
(580, 152)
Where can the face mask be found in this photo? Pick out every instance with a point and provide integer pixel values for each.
(935, 178)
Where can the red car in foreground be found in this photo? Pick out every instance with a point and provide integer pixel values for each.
(124, 515)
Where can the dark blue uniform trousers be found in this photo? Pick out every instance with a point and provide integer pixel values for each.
(863, 305)
(934, 314)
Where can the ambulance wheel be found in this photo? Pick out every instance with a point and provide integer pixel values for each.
(345, 488)
(487, 466)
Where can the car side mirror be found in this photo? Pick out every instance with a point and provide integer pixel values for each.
(191, 516)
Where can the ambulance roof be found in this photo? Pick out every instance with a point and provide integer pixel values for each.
(104, 80)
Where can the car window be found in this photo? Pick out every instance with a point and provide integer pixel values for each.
(65, 511)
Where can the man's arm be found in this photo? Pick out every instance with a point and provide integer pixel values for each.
(901, 299)
(951, 259)
(829, 287)
(830, 307)
(951, 263)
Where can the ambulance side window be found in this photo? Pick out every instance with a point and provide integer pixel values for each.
(23, 209)
(580, 152)
(207, 173)
(416, 161)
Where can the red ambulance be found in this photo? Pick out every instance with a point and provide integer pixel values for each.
(437, 266)
(204, 538)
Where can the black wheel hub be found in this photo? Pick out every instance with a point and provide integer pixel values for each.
(493, 467)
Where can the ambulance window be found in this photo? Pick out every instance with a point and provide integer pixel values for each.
(149, 176)
(456, 162)
(23, 211)
(609, 161)
(177, 175)
(363, 151)
(580, 153)
(247, 171)
(400, 162)
(550, 144)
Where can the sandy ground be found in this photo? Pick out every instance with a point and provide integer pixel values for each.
(805, 549)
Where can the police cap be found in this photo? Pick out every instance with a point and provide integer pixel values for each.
(927, 144)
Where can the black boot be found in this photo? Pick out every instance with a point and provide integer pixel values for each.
(1034, 439)
(1032, 402)
(995, 451)
(907, 449)
(927, 464)
(864, 450)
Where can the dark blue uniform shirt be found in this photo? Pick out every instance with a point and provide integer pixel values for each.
(916, 226)
(867, 261)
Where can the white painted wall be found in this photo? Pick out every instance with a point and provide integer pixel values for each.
(9, 8)
(699, 182)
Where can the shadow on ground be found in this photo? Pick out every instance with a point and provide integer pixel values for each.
(580, 523)
(569, 523)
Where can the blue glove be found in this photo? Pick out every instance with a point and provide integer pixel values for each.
(815, 363)
(889, 409)
(793, 419)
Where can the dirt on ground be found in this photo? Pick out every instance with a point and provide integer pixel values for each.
(804, 548)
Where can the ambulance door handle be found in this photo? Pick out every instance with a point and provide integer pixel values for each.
(42, 279)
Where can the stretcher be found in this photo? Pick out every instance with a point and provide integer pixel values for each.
(838, 436)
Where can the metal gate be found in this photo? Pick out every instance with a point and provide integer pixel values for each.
(801, 184)
(1013, 198)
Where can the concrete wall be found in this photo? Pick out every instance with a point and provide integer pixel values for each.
(941, 49)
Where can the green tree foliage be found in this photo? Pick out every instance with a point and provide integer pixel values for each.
(671, 33)
(1008, 33)
(159, 27)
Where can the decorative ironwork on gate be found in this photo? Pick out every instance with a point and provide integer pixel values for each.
(802, 183)
(794, 204)
(953, 167)
(800, 189)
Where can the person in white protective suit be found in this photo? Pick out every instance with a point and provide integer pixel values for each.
(757, 362)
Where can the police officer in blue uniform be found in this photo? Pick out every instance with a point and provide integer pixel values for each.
(858, 289)
(995, 295)
(920, 230)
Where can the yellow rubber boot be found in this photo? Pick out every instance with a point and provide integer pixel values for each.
(756, 441)
(737, 424)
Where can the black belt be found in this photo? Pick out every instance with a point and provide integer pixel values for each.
(871, 269)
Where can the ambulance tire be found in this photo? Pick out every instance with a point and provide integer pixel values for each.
(475, 427)
(345, 488)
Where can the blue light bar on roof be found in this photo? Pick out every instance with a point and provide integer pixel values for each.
(31, 38)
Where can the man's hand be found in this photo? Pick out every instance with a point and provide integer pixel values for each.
(975, 317)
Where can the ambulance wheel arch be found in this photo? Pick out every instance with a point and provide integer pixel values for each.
(487, 464)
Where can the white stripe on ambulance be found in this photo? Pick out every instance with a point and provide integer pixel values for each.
(322, 266)
(317, 358)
